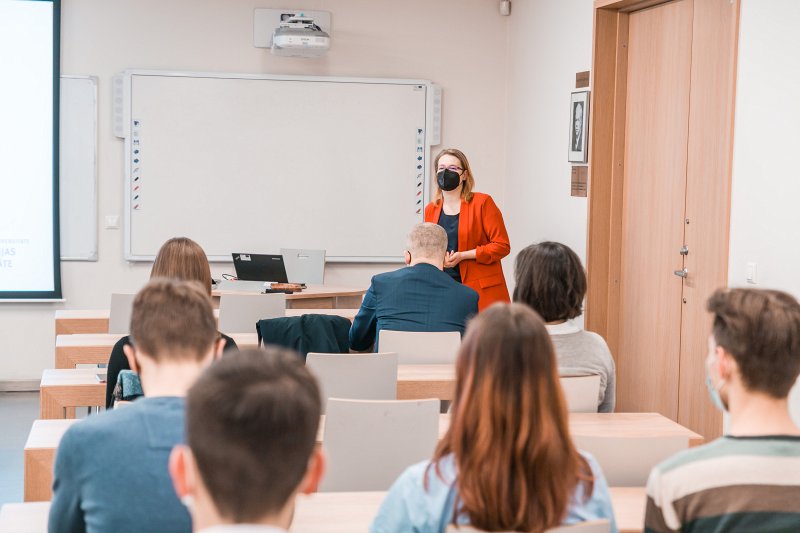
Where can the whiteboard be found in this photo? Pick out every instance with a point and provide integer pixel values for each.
(244, 163)
(78, 168)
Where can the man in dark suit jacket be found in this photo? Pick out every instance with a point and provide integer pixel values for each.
(419, 297)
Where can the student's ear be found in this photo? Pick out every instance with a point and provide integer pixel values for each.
(181, 470)
(130, 354)
(725, 363)
(407, 257)
(219, 347)
(315, 472)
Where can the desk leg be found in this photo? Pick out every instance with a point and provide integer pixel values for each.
(49, 406)
(38, 475)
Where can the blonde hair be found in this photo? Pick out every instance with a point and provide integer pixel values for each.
(469, 180)
(182, 258)
(427, 240)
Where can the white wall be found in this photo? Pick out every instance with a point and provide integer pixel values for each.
(765, 219)
(459, 45)
(549, 42)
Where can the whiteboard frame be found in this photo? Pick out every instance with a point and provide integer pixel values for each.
(93, 256)
(128, 135)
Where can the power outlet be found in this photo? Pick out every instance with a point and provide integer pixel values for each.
(752, 273)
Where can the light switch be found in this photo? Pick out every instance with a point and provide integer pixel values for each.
(112, 221)
(752, 273)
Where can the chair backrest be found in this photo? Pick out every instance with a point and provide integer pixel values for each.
(581, 393)
(119, 315)
(627, 461)
(370, 376)
(421, 347)
(369, 443)
(239, 313)
(590, 526)
(304, 266)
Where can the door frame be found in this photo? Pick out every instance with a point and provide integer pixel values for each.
(607, 164)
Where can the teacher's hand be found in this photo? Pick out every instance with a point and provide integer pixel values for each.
(452, 259)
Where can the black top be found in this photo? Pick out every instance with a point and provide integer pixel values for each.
(118, 362)
(450, 225)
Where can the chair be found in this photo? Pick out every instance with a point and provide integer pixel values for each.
(370, 443)
(421, 347)
(590, 526)
(239, 313)
(304, 266)
(371, 376)
(581, 393)
(119, 316)
(627, 461)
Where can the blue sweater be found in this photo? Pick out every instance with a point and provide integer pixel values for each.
(111, 471)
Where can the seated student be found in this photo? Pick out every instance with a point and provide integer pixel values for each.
(507, 462)
(550, 278)
(252, 425)
(420, 297)
(111, 469)
(178, 258)
(748, 480)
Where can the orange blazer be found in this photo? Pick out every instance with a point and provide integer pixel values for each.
(480, 226)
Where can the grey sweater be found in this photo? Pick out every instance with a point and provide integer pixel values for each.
(582, 352)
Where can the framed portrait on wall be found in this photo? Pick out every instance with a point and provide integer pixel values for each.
(578, 127)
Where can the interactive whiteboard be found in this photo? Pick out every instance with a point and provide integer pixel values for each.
(257, 163)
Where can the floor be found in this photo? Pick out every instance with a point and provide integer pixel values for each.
(18, 410)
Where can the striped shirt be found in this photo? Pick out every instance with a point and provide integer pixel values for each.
(730, 484)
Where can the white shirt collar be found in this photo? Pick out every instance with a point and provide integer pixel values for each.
(564, 328)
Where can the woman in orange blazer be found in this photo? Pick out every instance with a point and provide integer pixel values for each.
(476, 236)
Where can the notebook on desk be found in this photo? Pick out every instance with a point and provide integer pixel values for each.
(260, 267)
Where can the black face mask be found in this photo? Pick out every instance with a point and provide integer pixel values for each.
(448, 180)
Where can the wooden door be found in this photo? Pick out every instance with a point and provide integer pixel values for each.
(654, 193)
(657, 325)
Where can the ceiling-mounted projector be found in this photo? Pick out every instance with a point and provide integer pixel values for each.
(299, 36)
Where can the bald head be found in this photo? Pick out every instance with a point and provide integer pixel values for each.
(426, 243)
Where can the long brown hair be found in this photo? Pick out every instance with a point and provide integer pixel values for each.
(469, 180)
(517, 465)
(182, 258)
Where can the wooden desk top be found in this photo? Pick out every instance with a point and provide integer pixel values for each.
(330, 512)
(108, 340)
(312, 291)
(46, 434)
(85, 321)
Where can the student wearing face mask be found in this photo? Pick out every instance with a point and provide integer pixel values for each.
(749, 479)
(476, 236)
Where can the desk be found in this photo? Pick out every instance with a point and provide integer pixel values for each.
(315, 297)
(66, 388)
(95, 348)
(40, 451)
(46, 434)
(330, 512)
(83, 321)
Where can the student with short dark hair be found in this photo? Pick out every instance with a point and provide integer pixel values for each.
(507, 461)
(252, 424)
(748, 480)
(111, 469)
(551, 280)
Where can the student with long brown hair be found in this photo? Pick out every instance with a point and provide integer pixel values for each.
(507, 462)
(179, 258)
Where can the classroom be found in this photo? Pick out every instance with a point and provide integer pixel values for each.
(648, 142)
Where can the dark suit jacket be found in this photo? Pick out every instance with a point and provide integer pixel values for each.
(418, 298)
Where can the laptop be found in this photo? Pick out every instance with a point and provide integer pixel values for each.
(260, 267)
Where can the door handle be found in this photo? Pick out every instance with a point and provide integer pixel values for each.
(682, 273)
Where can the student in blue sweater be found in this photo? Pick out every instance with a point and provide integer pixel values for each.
(111, 469)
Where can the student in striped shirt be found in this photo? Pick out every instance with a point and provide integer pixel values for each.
(748, 480)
